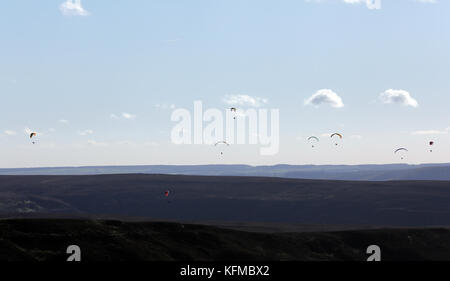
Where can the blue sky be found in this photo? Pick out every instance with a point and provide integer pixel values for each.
(115, 70)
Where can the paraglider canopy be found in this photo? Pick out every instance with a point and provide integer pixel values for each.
(336, 135)
(221, 143)
(233, 109)
(313, 139)
(401, 150)
(33, 134)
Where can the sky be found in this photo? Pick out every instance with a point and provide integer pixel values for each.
(99, 80)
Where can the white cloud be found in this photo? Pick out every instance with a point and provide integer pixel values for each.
(244, 100)
(431, 132)
(86, 132)
(28, 131)
(151, 143)
(326, 134)
(399, 97)
(10, 133)
(95, 143)
(325, 96)
(427, 1)
(73, 8)
(356, 137)
(354, 1)
(124, 115)
(63, 121)
(165, 106)
(126, 142)
(128, 115)
(371, 4)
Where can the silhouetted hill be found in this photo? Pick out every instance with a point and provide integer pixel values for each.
(331, 172)
(230, 199)
(47, 240)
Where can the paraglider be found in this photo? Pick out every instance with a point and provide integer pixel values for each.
(336, 135)
(233, 109)
(33, 134)
(431, 143)
(313, 139)
(402, 151)
(166, 194)
(221, 143)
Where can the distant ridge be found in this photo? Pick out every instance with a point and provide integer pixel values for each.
(327, 172)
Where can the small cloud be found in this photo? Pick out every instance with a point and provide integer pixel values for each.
(327, 97)
(354, 1)
(86, 132)
(128, 115)
(427, 1)
(398, 97)
(326, 134)
(356, 137)
(431, 132)
(172, 40)
(28, 131)
(10, 133)
(151, 143)
(371, 4)
(124, 115)
(63, 121)
(95, 143)
(51, 130)
(244, 100)
(165, 106)
(129, 143)
(73, 8)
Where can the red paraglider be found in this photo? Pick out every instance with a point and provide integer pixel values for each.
(166, 194)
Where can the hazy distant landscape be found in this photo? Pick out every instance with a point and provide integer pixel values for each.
(330, 172)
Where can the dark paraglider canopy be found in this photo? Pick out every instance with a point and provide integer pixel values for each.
(401, 150)
(33, 134)
(313, 139)
(336, 135)
(233, 109)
